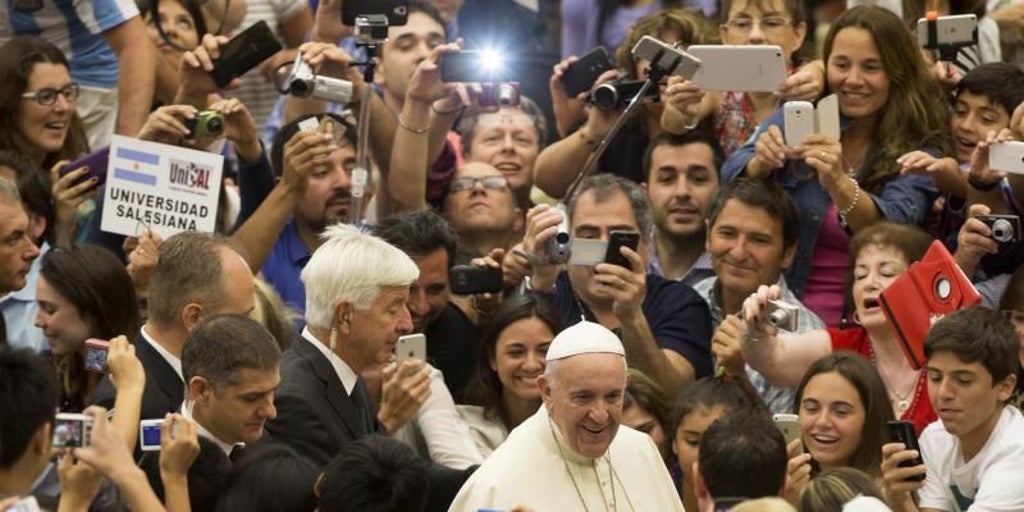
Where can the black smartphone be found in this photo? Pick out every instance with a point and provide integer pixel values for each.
(475, 66)
(470, 280)
(244, 52)
(581, 75)
(617, 239)
(397, 11)
(903, 432)
(96, 161)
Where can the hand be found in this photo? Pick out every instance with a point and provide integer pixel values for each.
(406, 388)
(947, 75)
(125, 369)
(806, 84)
(754, 308)
(106, 451)
(979, 158)
(1017, 120)
(166, 124)
(568, 111)
(974, 240)
(825, 155)
(626, 287)
(268, 68)
(541, 225)
(897, 489)
(143, 258)
(684, 96)
(240, 128)
(769, 153)
(194, 74)
(426, 85)
(179, 445)
(486, 303)
(79, 483)
(725, 346)
(517, 265)
(304, 154)
(328, 59)
(67, 196)
(919, 162)
(327, 26)
(600, 121)
(798, 473)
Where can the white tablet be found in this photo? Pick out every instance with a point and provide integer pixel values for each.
(745, 68)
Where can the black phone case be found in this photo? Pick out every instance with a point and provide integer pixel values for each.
(617, 239)
(903, 432)
(244, 52)
(581, 75)
(465, 67)
(397, 11)
(469, 280)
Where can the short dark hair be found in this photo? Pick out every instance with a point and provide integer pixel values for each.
(604, 187)
(1000, 82)
(467, 125)
(427, 8)
(764, 194)
(29, 395)
(418, 233)
(646, 394)
(697, 136)
(737, 446)
(219, 346)
(710, 392)
(289, 130)
(270, 477)
(375, 474)
(977, 335)
(188, 268)
(96, 282)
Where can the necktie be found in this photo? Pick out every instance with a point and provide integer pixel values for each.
(237, 451)
(364, 411)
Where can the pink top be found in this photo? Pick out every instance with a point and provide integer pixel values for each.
(829, 266)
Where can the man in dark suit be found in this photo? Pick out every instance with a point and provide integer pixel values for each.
(356, 291)
(197, 275)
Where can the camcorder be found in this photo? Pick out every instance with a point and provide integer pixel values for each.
(208, 123)
(560, 246)
(617, 93)
(783, 315)
(71, 430)
(302, 82)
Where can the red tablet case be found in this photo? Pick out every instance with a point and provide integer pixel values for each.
(929, 290)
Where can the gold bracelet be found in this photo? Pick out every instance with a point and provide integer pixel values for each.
(412, 129)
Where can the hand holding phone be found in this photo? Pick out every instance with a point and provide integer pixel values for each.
(96, 355)
(244, 52)
(580, 75)
(618, 239)
(470, 280)
(411, 346)
(903, 432)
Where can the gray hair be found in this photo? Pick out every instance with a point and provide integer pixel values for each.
(604, 185)
(351, 266)
(188, 269)
(9, 193)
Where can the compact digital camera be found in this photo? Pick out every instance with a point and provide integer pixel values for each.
(505, 94)
(783, 315)
(208, 123)
(71, 430)
(1005, 228)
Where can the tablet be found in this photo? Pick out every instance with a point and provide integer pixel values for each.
(744, 68)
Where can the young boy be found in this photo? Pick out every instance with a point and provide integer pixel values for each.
(973, 454)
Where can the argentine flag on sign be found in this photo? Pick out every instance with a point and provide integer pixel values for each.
(136, 166)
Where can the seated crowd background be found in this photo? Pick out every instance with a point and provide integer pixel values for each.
(382, 318)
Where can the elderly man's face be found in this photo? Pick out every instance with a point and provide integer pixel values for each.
(583, 396)
(508, 140)
(17, 250)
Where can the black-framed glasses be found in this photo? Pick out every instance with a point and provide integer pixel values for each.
(489, 183)
(48, 95)
(769, 24)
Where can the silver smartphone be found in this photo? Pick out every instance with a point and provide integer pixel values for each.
(411, 346)
(674, 60)
(1007, 157)
(958, 30)
(745, 68)
(789, 425)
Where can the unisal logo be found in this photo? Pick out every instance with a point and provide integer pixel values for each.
(190, 174)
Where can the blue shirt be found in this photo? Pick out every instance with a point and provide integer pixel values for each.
(678, 317)
(904, 199)
(284, 265)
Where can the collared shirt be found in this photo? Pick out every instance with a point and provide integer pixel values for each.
(171, 359)
(699, 271)
(186, 411)
(778, 399)
(284, 265)
(345, 373)
(19, 311)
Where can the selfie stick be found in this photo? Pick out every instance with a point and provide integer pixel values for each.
(371, 32)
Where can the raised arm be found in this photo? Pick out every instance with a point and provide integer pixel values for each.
(781, 358)
(136, 81)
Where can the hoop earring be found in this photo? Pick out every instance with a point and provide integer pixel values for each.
(856, 319)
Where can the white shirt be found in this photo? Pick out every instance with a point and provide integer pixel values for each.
(171, 359)
(345, 373)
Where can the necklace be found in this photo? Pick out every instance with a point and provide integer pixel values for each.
(612, 476)
(902, 402)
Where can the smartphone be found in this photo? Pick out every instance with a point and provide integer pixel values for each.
(747, 68)
(958, 30)
(96, 161)
(244, 52)
(411, 346)
(397, 11)
(470, 280)
(149, 435)
(96, 355)
(581, 75)
(26, 504)
(903, 432)
(475, 66)
(617, 239)
(669, 58)
(1007, 157)
(799, 122)
(827, 116)
(789, 425)
(71, 430)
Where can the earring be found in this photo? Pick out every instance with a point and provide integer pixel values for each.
(856, 319)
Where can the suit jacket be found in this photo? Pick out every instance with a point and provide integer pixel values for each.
(164, 389)
(315, 415)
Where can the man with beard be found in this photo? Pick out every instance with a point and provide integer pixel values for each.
(314, 192)
(682, 177)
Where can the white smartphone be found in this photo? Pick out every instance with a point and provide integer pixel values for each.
(958, 30)
(1007, 157)
(411, 346)
(789, 425)
(673, 60)
(799, 122)
(587, 252)
(745, 68)
(828, 116)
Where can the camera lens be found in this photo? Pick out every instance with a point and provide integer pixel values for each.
(1002, 231)
(778, 317)
(605, 96)
(214, 126)
(506, 95)
(301, 88)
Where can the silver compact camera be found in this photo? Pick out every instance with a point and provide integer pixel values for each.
(304, 83)
(560, 245)
(1005, 228)
(783, 315)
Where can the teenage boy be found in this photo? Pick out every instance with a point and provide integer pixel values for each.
(973, 454)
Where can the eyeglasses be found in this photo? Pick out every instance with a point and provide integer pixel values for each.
(48, 95)
(489, 183)
(771, 24)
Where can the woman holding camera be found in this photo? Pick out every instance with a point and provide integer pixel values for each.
(878, 255)
(889, 104)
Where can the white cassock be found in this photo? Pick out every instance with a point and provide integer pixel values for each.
(528, 469)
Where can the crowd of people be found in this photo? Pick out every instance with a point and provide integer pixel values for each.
(481, 296)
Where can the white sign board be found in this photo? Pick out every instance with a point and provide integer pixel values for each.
(168, 189)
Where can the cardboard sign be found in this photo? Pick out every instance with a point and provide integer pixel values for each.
(168, 189)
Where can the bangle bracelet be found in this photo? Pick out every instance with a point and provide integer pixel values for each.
(459, 109)
(412, 129)
(979, 185)
(845, 212)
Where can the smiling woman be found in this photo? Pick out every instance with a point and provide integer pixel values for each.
(174, 26)
(38, 101)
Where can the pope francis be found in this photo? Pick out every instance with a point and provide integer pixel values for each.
(572, 455)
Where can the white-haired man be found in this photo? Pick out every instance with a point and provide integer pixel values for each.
(573, 454)
(357, 286)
